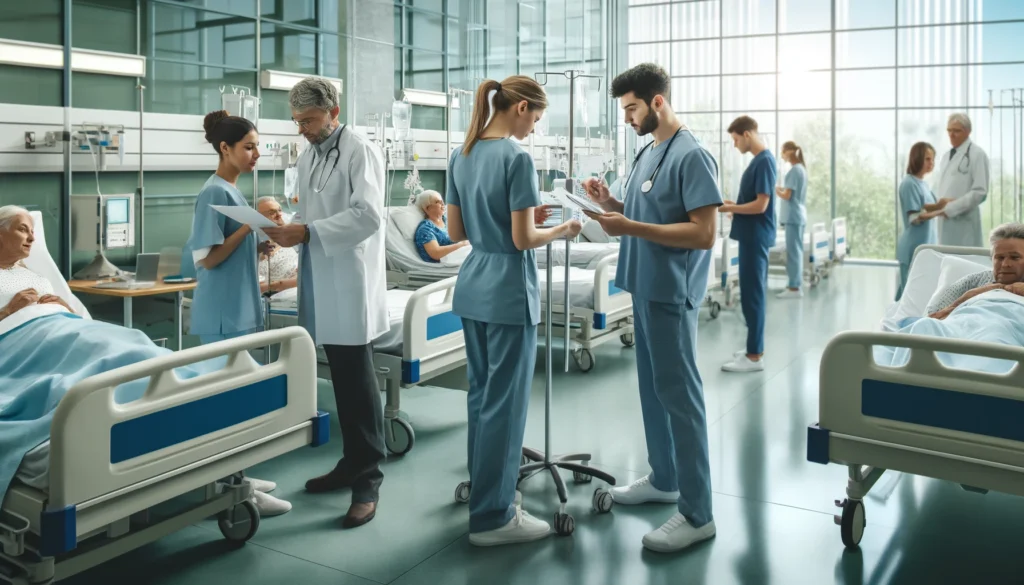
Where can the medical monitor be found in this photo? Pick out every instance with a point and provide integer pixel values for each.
(102, 222)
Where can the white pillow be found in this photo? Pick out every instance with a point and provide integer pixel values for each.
(593, 232)
(406, 219)
(953, 269)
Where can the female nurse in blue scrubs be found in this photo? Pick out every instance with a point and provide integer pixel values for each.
(226, 302)
(753, 226)
(794, 217)
(494, 202)
(918, 207)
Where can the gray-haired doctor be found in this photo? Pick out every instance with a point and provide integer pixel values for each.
(342, 282)
(962, 186)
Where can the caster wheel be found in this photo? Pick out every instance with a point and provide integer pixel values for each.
(580, 477)
(602, 501)
(716, 309)
(627, 339)
(851, 526)
(564, 524)
(584, 360)
(462, 493)
(815, 279)
(398, 436)
(240, 523)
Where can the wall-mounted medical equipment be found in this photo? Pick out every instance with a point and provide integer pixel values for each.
(99, 223)
(100, 141)
(239, 101)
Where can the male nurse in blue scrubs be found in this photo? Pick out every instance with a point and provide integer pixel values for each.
(753, 226)
(667, 224)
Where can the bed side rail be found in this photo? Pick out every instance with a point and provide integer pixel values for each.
(838, 238)
(608, 298)
(431, 330)
(924, 404)
(98, 447)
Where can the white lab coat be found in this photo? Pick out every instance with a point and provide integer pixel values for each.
(968, 190)
(346, 248)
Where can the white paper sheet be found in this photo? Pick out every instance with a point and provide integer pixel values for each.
(573, 201)
(246, 215)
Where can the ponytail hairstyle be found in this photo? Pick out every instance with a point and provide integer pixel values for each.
(508, 93)
(799, 152)
(223, 127)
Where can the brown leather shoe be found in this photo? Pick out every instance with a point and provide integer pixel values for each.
(336, 479)
(360, 513)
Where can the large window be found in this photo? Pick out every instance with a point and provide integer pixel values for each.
(864, 79)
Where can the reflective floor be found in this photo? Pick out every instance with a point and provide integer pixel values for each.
(773, 509)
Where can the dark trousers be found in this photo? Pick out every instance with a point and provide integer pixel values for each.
(753, 282)
(361, 416)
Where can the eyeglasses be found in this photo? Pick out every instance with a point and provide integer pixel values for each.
(303, 124)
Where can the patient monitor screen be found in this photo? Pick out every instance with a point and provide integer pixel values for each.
(117, 211)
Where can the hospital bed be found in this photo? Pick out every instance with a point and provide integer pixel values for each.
(816, 254)
(87, 495)
(924, 417)
(598, 311)
(723, 276)
(424, 340)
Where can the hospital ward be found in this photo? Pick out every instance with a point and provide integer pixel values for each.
(524, 292)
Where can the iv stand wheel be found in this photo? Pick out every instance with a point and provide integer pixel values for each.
(584, 359)
(627, 339)
(462, 493)
(602, 501)
(398, 436)
(565, 525)
(716, 308)
(239, 523)
(852, 522)
(815, 279)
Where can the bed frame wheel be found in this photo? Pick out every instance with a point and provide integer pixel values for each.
(602, 501)
(716, 308)
(462, 492)
(627, 339)
(239, 523)
(399, 436)
(565, 524)
(852, 522)
(584, 359)
(815, 279)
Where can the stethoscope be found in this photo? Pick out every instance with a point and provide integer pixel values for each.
(963, 168)
(325, 161)
(647, 185)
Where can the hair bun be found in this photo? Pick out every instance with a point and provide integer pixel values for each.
(211, 120)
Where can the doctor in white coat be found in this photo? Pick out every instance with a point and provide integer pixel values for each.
(342, 283)
(962, 186)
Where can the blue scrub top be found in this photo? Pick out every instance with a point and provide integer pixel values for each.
(497, 283)
(687, 181)
(914, 194)
(758, 178)
(227, 298)
(426, 232)
(794, 211)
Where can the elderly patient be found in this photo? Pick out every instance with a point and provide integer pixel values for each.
(282, 264)
(432, 240)
(1007, 273)
(19, 286)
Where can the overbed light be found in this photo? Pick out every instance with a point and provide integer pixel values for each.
(28, 54)
(422, 97)
(284, 81)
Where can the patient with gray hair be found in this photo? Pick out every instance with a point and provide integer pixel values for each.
(20, 287)
(278, 266)
(432, 240)
(1007, 273)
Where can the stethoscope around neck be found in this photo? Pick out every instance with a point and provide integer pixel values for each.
(647, 185)
(964, 166)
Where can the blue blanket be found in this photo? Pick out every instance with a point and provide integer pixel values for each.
(992, 318)
(42, 359)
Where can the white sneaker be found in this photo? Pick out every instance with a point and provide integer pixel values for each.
(677, 534)
(739, 353)
(262, 485)
(641, 492)
(269, 505)
(744, 364)
(521, 528)
(790, 294)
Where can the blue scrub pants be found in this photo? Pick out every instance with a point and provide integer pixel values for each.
(753, 282)
(205, 339)
(500, 366)
(795, 254)
(672, 401)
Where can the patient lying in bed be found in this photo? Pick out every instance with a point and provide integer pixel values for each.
(278, 267)
(1007, 273)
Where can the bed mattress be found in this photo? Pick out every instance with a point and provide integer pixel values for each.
(581, 255)
(581, 286)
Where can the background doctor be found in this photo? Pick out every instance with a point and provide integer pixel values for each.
(962, 186)
(342, 284)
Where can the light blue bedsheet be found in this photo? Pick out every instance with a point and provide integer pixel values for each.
(995, 317)
(42, 359)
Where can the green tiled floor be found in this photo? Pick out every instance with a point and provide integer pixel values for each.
(773, 509)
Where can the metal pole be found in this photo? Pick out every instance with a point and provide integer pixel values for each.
(65, 212)
(1002, 160)
(1013, 105)
(547, 358)
(142, 195)
(571, 187)
(991, 118)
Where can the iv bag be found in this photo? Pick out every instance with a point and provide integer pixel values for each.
(291, 184)
(401, 118)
